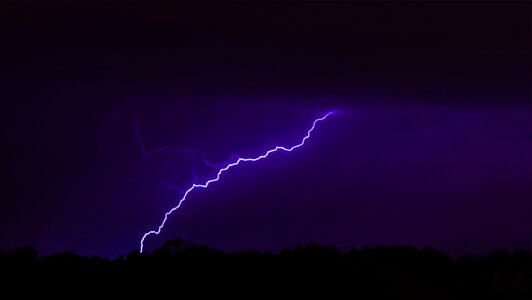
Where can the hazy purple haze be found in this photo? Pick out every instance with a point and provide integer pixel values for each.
(431, 145)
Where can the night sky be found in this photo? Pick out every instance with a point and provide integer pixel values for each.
(106, 109)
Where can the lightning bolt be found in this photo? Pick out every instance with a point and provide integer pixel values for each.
(223, 170)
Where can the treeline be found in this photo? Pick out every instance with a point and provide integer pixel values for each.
(183, 267)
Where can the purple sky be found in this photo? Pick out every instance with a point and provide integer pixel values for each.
(430, 145)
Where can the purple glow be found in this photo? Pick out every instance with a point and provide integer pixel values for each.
(206, 184)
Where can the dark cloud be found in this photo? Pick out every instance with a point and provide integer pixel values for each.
(430, 145)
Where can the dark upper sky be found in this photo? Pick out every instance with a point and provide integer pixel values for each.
(431, 145)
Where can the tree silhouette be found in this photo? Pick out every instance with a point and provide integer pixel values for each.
(379, 272)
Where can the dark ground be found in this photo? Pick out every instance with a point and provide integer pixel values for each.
(181, 268)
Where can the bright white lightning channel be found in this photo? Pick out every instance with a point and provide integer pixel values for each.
(224, 169)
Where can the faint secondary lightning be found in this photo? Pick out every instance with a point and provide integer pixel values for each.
(165, 149)
(222, 170)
